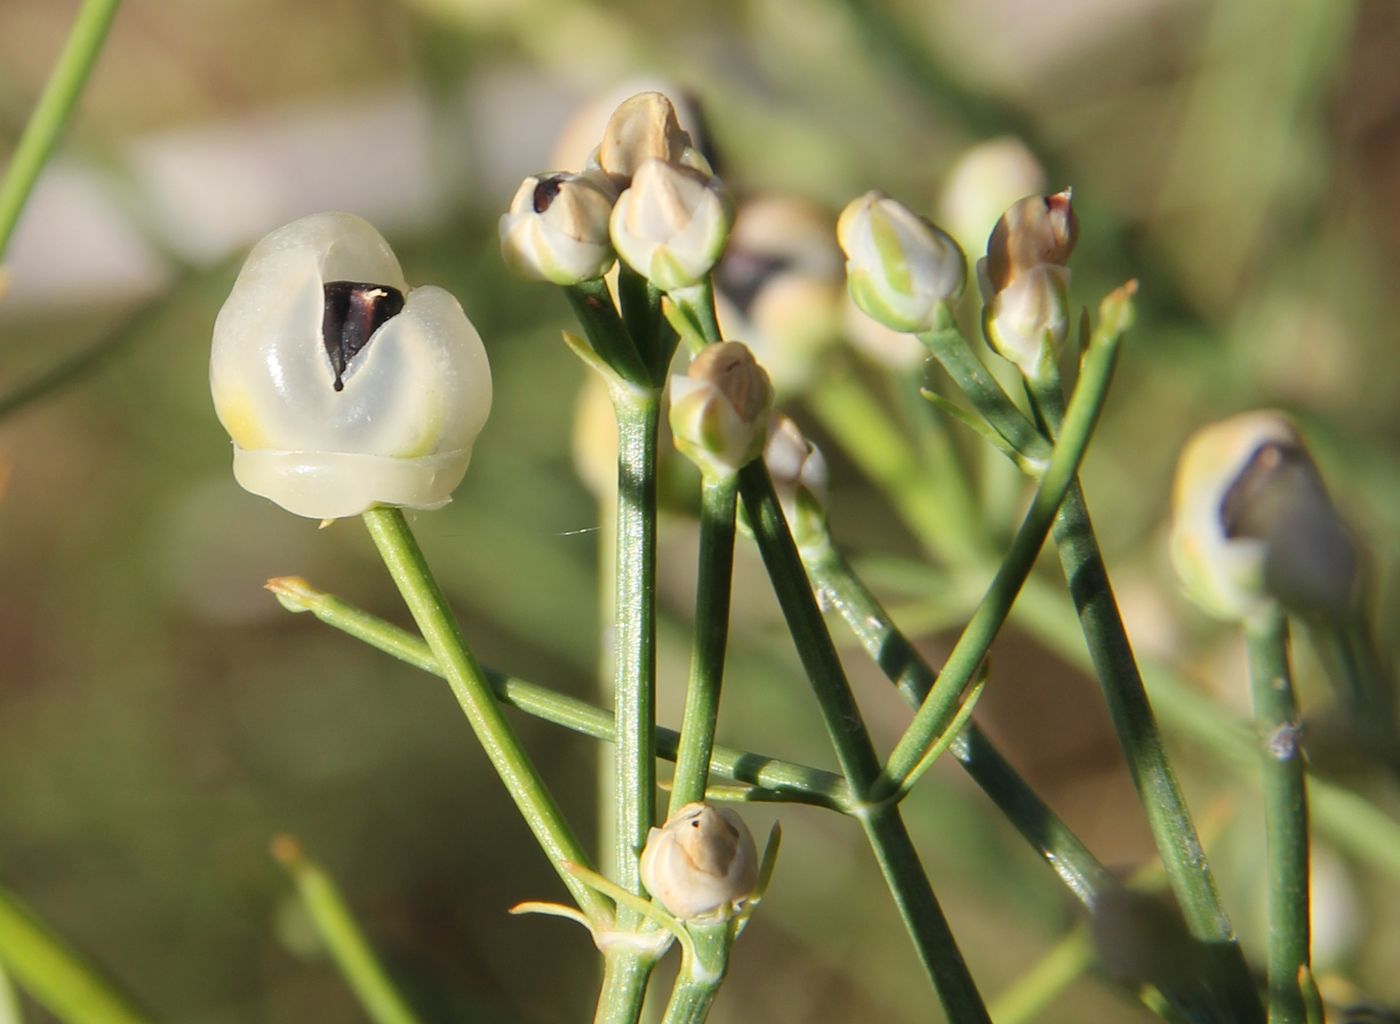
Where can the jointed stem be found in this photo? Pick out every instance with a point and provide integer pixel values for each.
(775, 780)
(884, 827)
(716, 568)
(1133, 721)
(1067, 855)
(1285, 812)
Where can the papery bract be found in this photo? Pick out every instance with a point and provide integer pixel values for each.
(701, 863)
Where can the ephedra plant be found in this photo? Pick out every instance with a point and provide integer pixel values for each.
(347, 392)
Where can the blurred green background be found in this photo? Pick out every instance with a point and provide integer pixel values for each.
(161, 717)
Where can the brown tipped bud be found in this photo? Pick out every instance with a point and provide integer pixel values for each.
(643, 128)
(1035, 230)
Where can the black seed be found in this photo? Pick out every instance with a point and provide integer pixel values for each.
(354, 310)
(546, 191)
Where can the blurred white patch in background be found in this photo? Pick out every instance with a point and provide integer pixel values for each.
(203, 192)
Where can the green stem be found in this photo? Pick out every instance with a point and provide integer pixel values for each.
(593, 306)
(700, 976)
(53, 111)
(634, 633)
(55, 974)
(975, 381)
(884, 828)
(641, 312)
(1348, 820)
(775, 780)
(342, 936)
(941, 703)
(405, 562)
(912, 676)
(1285, 812)
(1116, 669)
(716, 570)
(634, 682)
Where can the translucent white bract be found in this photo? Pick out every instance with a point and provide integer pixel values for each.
(414, 400)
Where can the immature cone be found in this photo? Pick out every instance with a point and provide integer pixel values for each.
(701, 863)
(671, 224)
(900, 268)
(1252, 523)
(556, 229)
(720, 409)
(340, 386)
(578, 145)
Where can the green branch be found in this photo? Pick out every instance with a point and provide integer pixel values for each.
(426, 602)
(53, 111)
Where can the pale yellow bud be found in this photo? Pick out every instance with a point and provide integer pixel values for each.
(900, 268)
(701, 864)
(720, 408)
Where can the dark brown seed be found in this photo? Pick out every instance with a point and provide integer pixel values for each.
(354, 310)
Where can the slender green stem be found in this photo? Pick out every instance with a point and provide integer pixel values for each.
(53, 111)
(430, 611)
(773, 779)
(716, 570)
(884, 828)
(1348, 820)
(641, 312)
(634, 633)
(342, 936)
(952, 351)
(1285, 812)
(1116, 669)
(634, 683)
(941, 703)
(593, 306)
(58, 977)
(700, 975)
(912, 676)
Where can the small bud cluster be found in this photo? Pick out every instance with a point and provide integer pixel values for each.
(647, 196)
(1025, 279)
